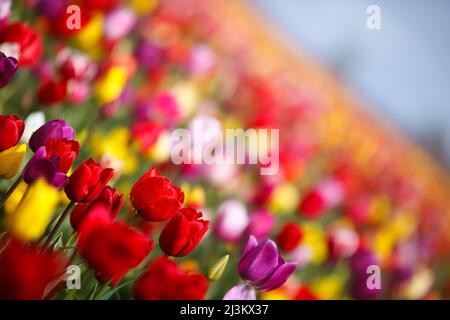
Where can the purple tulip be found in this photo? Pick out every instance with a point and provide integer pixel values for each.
(261, 224)
(262, 265)
(242, 291)
(361, 260)
(41, 166)
(360, 273)
(50, 8)
(54, 129)
(8, 67)
(148, 55)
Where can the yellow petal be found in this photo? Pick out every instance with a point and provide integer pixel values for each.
(33, 214)
(10, 160)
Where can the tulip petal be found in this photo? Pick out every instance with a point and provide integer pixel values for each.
(241, 291)
(278, 277)
(259, 262)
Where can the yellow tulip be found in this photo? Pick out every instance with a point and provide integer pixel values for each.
(34, 212)
(14, 199)
(284, 199)
(278, 294)
(314, 238)
(90, 36)
(160, 151)
(328, 287)
(10, 160)
(114, 151)
(142, 7)
(110, 85)
(196, 197)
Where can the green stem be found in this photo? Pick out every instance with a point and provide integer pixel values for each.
(10, 191)
(58, 224)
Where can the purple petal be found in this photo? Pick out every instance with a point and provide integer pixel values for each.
(259, 262)
(278, 277)
(60, 180)
(251, 243)
(241, 291)
(37, 168)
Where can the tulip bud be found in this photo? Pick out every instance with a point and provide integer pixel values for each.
(216, 271)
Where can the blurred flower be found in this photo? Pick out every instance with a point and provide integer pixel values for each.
(25, 271)
(201, 60)
(90, 35)
(156, 198)
(118, 23)
(342, 242)
(56, 129)
(111, 248)
(27, 39)
(262, 265)
(328, 287)
(260, 224)
(160, 150)
(359, 264)
(314, 239)
(289, 236)
(183, 232)
(8, 67)
(283, 199)
(148, 55)
(232, 220)
(143, 6)
(109, 198)
(33, 122)
(195, 197)
(11, 160)
(325, 195)
(75, 65)
(146, 133)
(165, 280)
(114, 151)
(100, 5)
(31, 217)
(11, 129)
(87, 181)
(304, 293)
(77, 91)
(110, 84)
(5, 11)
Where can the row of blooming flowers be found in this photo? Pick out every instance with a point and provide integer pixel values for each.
(87, 180)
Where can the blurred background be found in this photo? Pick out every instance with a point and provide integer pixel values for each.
(402, 70)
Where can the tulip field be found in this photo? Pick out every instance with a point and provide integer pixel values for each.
(98, 203)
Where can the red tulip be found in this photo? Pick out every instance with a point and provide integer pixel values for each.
(28, 40)
(52, 92)
(313, 205)
(11, 129)
(87, 181)
(100, 5)
(109, 197)
(289, 237)
(25, 271)
(111, 248)
(304, 293)
(65, 150)
(155, 198)
(183, 232)
(164, 280)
